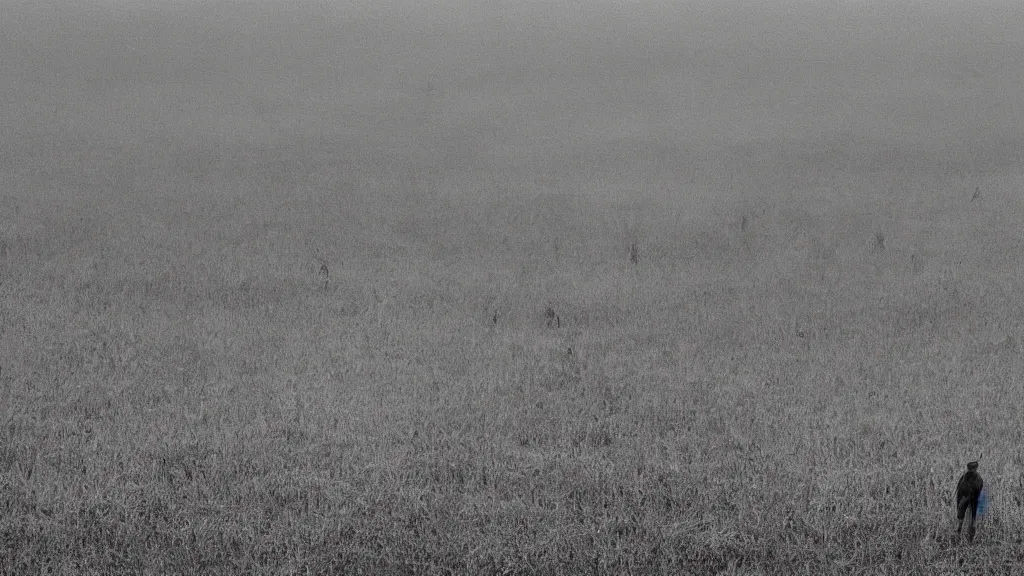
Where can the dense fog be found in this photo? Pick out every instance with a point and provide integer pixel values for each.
(515, 79)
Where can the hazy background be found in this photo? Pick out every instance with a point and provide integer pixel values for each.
(533, 86)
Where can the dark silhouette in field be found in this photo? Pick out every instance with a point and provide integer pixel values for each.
(968, 493)
(554, 321)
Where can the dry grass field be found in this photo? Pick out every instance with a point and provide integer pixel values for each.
(277, 303)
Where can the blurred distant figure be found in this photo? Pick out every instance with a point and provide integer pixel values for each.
(968, 496)
(553, 319)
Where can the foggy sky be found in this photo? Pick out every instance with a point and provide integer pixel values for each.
(719, 72)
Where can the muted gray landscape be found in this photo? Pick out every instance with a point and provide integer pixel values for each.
(511, 287)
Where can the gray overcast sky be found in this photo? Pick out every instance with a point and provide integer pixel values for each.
(735, 69)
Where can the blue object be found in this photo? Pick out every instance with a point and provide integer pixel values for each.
(981, 502)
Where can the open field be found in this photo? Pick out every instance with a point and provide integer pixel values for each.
(273, 303)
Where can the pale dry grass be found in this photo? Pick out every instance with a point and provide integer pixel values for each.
(185, 392)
